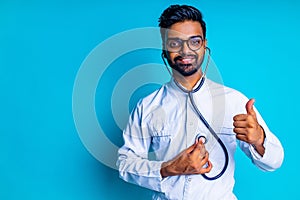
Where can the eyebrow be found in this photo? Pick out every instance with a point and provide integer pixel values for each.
(177, 38)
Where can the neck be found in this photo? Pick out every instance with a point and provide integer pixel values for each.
(187, 81)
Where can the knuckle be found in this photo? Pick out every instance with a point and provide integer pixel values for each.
(199, 169)
(249, 117)
(193, 165)
(234, 123)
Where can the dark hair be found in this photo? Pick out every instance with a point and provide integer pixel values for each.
(180, 13)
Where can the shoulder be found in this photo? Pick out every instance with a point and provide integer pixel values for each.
(154, 99)
(233, 99)
(228, 92)
(154, 105)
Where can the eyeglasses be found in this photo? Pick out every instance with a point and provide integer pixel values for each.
(176, 44)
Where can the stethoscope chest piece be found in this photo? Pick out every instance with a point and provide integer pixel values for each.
(201, 138)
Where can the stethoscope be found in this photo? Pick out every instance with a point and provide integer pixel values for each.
(190, 95)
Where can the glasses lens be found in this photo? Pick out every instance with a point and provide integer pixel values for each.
(174, 45)
(195, 43)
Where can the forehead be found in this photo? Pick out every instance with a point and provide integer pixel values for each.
(185, 29)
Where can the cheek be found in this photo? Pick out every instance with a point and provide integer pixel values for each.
(200, 55)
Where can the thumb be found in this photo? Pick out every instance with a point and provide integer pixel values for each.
(249, 107)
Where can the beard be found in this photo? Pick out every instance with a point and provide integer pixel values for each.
(186, 65)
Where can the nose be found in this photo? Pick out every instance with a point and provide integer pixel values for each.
(185, 49)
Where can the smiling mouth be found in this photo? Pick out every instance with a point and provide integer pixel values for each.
(187, 60)
(186, 63)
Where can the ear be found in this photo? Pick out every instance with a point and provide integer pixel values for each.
(205, 43)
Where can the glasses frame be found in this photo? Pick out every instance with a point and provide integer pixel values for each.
(182, 43)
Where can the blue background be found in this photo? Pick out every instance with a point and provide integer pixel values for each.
(42, 45)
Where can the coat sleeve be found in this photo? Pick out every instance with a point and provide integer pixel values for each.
(133, 163)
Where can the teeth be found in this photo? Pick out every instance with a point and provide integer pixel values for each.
(187, 60)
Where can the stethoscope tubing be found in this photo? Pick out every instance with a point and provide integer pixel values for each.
(215, 136)
(190, 95)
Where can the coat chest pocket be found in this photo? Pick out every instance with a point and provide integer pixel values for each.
(161, 139)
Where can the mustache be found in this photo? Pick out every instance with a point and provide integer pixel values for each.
(185, 56)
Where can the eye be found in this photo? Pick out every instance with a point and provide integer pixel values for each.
(195, 41)
(174, 43)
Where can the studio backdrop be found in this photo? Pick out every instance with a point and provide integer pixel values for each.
(72, 71)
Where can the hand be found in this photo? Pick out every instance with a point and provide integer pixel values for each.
(248, 129)
(189, 161)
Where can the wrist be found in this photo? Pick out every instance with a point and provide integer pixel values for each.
(259, 145)
(163, 170)
(262, 137)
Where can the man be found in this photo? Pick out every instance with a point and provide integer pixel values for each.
(162, 149)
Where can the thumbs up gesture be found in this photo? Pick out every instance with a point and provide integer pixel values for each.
(248, 129)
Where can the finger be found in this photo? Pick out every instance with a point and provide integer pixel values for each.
(240, 131)
(204, 160)
(207, 168)
(249, 107)
(200, 140)
(242, 137)
(199, 151)
(240, 124)
(240, 117)
(209, 165)
(191, 148)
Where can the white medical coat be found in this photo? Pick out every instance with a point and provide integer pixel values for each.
(164, 123)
